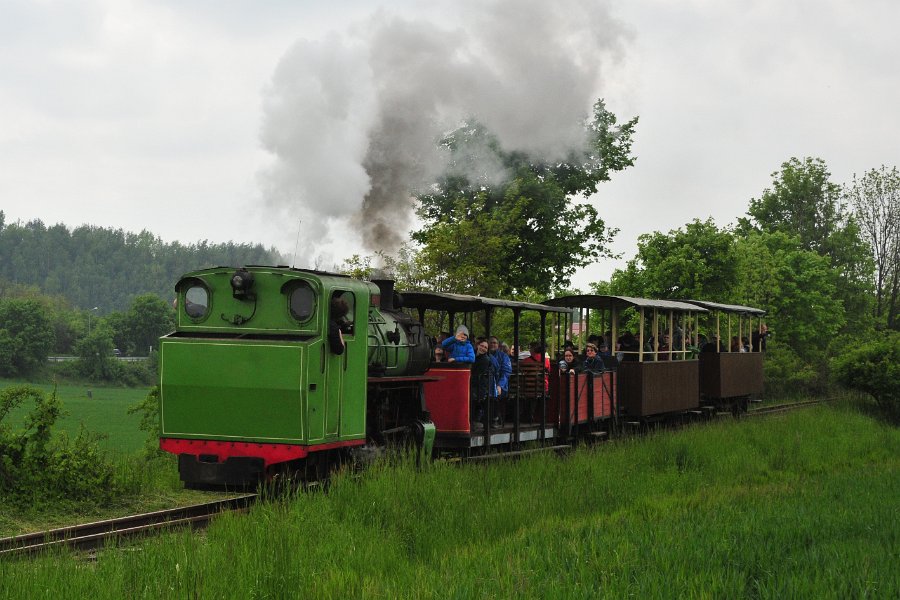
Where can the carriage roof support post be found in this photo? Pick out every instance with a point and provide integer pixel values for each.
(729, 332)
(488, 312)
(671, 332)
(544, 357)
(615, 339)
(750, 331)
(718, 335)
(641, 337)
(655, 334)
(516, 373)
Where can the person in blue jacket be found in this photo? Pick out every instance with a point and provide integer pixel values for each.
(504, 370)
(484, 386)
(457, 348)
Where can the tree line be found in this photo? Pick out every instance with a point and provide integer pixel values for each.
(107, 268)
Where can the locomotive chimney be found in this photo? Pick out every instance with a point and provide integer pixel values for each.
(386, 286)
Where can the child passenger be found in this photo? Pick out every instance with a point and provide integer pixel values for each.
(458, 347)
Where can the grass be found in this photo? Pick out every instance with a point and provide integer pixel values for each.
(803, 504)
(102, 410)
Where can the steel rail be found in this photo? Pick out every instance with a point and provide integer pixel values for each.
(768, 410)
(96, 535)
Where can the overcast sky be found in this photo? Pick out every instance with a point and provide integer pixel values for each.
(168, 116)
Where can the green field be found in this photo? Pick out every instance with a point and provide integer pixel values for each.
(102, 410)
(801, 505)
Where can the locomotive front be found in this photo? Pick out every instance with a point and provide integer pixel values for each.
(249, 383)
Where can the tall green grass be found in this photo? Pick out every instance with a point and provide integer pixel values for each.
(799, 505)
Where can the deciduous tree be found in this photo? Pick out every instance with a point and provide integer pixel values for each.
(875, 198)
(804, 203)
(26, 336)
(697, 261)
(795, 286)
(498, 222)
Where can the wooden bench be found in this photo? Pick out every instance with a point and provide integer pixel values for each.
(526, 386)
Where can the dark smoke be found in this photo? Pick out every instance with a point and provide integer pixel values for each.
(353, 120)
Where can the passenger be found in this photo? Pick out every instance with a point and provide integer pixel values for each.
(593, 362)
(663, 347)
(759, 338)
(458, 347)
(337, 322)
(536, 354)
(676, 341)
(735, 344)
(712, 345)
(438, 354)
(485, 371)
(569, 362)
(630, 346)
(504, 366)
(745, 344)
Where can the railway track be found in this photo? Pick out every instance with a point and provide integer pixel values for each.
(779, 408)
(96, 535)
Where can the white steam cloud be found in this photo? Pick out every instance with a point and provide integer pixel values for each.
(353, 119)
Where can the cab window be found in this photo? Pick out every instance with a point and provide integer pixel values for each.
(302, 301)
(350, 299)
(196, 301)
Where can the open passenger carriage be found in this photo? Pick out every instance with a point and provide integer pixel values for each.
(652, 378)
(526, 414)
(729, 375)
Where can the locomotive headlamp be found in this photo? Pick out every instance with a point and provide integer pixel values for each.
(241, 284)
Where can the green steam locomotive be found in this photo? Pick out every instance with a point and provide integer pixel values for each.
(250, 386)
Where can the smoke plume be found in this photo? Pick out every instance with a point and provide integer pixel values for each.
(352, 119)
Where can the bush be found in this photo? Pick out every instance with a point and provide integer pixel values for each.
(117, 372)
(874, 368)
(35, 466)
(148, 408)
(787, 374)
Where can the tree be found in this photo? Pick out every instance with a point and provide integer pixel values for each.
(497, 222)
(26, 336)
(795, 286)
(804, 203)
(95, 352)
(148, 318)
(875, 198)
(697, 261)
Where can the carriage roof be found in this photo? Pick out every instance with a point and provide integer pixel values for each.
(464, 303)
(600, 302)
